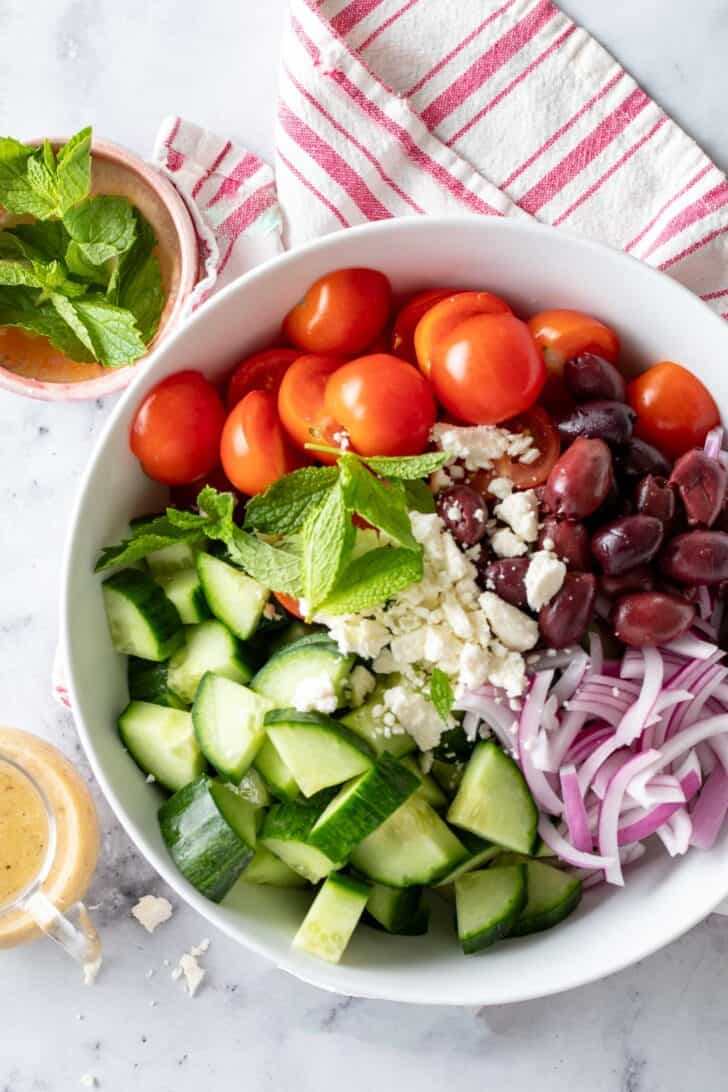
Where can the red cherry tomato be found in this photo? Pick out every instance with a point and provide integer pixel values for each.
(301, 404)
(403, 331)
(254, 449)
(185, 496)
(385, 405)
(562, 335)
(675, 411)
(176, 431)
(526, 475)
(289, 603)
(488, 369)
(259, 372)
(442, 318)
(341, 314)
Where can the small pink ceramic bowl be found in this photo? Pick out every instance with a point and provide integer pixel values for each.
(118, 171)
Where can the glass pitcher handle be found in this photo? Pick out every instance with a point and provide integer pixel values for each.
(73, 930)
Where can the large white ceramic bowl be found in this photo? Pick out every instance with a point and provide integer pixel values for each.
(534, 268)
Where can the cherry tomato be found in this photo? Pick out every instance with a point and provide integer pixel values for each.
(185, 496)
(403, 331)
(488, 369)
(301, 404)
(385, 405)
(545, 439)
(442, 318)
(254, 449)
(289, 603)
(675, 411)
(341, 314)
(259, 372)
(562, 335)
(176, 431)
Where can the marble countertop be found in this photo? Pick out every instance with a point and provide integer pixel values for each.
(657, 1027)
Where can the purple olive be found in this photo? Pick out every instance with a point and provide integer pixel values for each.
(604, 420)
(590, 377)
(696, 557)
(651, 618)
(507, 578)
(638, 458)
(626, 542)
(569, 540)
(464, 513)
(579, 480)
(655, 497)
(640, 578)
(701, 483)
(565, 619)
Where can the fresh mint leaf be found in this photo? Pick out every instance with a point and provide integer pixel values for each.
(273, 566)
(382, 505)
(69, 313)
(19, 307)
(142, 293)
(407, 467)
(328, 538)
(372, 579)
(73, 170)
(284, 506)
(441, 693)
(418, 496)
(13, 274)
(16, 191)
(112, 330)
(102, 228)
(144, 540)
(42, 180)
(46, 240)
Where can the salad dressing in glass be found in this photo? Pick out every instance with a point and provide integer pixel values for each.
(24, 833)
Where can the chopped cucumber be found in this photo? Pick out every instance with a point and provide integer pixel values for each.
(266, 868)
(414, 846)
(334, 914)
(209, 646)
(307, 658)
(234, 598)
(480, 853)
(210, 833)
(275, 773)
(448, 775)
(147, 681)
(398, 910)
(429, 789)
(172, 559)
(361, 806)
(488, 905)
(285, 833)
(228, 720)
(494, 801)
(551, 896)
(252, 787)
(371, 728)
(184, 589)
(162, 742)
(316, 749)
(142, 621)
(292, 632)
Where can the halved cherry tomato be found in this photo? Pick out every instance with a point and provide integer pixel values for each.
(254, 449)
(341, 314)
(385, 405)
(675, 411)
(526, 475)
(442, 318)
(403, 331)
(562, 335)
(289, 603)
(488, 369)
(176, 431)
(301, 404)
(259, 372)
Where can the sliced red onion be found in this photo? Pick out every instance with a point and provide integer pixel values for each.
(587, 742)
(596, 653)
(649, 822)
(678, 746)
(498, 716)
(710, 810)
(705, 603)
(574, 810)
(608, 831)
(660, 789)
(693, 648)
(707, 757)
(568, 853)
(676, 833)
(689, 774)
(528, 731)
(607, 770)
(570, 678)
(713, 442)
(633, 724)
(549, 660)
(471, 721)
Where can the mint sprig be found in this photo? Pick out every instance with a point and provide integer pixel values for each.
(328, 539)
(441, 693)
(372, 579)
(284, 506)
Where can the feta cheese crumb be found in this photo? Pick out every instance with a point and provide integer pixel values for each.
(506, 543)
(544, 577)
(152, 911)
(189, 967)
(361, 684)
(150, 779)
(520, 512)
(315, 695)
(501, 488)
(416, 714)
(89, 1081)
(515, 629)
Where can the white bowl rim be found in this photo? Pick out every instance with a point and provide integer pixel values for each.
(322, 975)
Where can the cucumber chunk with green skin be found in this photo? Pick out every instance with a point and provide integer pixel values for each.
(414, 846)
(429, 789)
(183, 588)
(361, 806)
(307, 658)
(228, 720)
(252, 787)
(480, 854)
(371, 727)
(334, 914)
(162, 742)
(397, 910)
(289, 634)
(172, 559)
(494, 801)
(234, 598)
(316, 749)
(448, 776)
(488, 904)
(210, 833)
(142, 620)
(275, 773)
(147, 681)
(285, 833)
(551, 896)
(209, 646)
(266, 868)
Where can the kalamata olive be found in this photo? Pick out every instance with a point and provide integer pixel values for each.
(507, 578)
(590, 376)
(626, 542)
(603, 420)
(696, 557)
(464, 512)
(651, 618)
(579, 480)
(701, 483)
(638, 458)
(655, 497)
(569, 540)
(564, 620)
(641, 578)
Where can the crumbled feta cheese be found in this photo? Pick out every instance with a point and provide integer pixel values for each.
(544, 577)
(363, 636)
(548, 544)
(189, 967)
(150, 779)
(342, 439)
(515, 629)
(530, 456)
(315, 694)
(520, 512)
(478, 446)
(508, 672)
(89, 1081)
(361, 684)
(506, 543)
(417, 716)
(151, 911)
(501, 488)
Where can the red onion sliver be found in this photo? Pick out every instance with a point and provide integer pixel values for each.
(528, 730)
(713, 442)
(710, 810)
(574, 810)
(567, 852)
(608, 833)
(635, 719)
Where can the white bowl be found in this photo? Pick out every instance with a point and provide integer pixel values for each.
(533, 267)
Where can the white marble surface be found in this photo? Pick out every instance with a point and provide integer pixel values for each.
(659, 1027)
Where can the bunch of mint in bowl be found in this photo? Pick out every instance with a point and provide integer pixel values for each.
(80, 270)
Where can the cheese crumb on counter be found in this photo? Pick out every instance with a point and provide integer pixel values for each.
(189, 968)
(152, 911)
